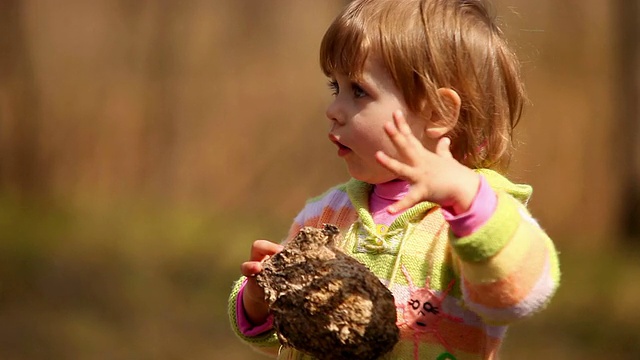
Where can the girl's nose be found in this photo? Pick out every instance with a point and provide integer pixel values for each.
(334, 112)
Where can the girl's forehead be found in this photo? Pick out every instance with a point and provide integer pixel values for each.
(373, 72)
(371, 68)
(352, 69)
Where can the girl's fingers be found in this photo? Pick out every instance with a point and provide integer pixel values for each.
(442, 148)
(263, 248)
(398, 139)
(404, 144)
(400, 134)
(260, 250)
(401, 123)
(409, 200)
(250, 268)
(408, 146)
(403, 127)
(397, 167)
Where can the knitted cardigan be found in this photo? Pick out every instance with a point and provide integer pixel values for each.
(455, 296)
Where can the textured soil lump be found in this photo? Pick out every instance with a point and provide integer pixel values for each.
(325, 303)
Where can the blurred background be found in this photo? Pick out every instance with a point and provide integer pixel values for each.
(145, 144)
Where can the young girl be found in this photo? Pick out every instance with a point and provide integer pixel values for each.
(426, 95)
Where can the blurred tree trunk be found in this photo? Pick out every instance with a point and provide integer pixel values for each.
(628, 14)
(20, 167)
(160, 74)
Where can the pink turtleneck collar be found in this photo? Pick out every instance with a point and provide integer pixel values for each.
(384, 195)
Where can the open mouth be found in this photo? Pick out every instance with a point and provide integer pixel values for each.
(342, 149)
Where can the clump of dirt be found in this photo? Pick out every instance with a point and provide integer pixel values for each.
(325, 303)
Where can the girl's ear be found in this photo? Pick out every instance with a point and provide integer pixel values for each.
(440, 124)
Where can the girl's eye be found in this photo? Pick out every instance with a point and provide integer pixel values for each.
(333, 86)
(357, 91)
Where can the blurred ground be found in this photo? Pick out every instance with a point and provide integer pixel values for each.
(140, 281)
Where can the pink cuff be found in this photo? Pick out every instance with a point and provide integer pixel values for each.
(481, 209)
(244, 324)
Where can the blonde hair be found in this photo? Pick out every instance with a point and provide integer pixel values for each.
(430, 44)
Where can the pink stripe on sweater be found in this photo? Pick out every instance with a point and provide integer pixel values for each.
(535, 300)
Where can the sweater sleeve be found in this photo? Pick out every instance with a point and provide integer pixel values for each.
(247, 328)
(265, 342)
(508, 266)
(481, 209)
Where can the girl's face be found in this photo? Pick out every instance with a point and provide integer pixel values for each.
(357, 114)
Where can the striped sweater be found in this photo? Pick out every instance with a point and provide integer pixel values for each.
(455, 296)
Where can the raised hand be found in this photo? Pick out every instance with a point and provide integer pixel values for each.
(434, 176)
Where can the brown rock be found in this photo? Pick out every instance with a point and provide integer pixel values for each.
(325, 303)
